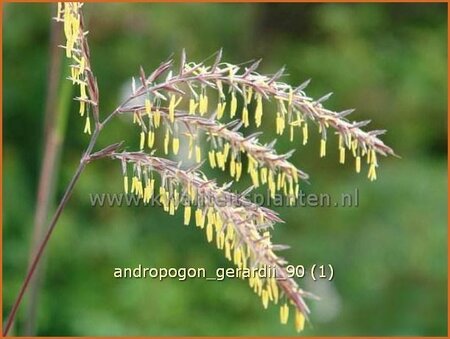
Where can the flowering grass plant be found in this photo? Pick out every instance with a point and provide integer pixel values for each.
(218, 100)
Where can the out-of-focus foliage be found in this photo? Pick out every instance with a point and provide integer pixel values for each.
(389, 254)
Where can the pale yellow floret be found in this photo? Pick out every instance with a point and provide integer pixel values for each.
(280, 123)
(83, 90)
(294, 173)
(82, 65)
(220, 109)
(226, 150)
(227, 250)
(172, 108)
(245, 119)
(274, 287)
(192, 106)
(136, 119)
(203, 104)
(220, 160)
(75, 74)
(290, 96)
(151, 139)
(354, 146)
(87, 126)
(249, 92)
(59, 12)
(230, 232)
(171, 207)
(167, 200)
(272, 187)
(191, 146)
(263, 175)
(134, 188)
(148, 106)
(281, 105)
(212, 159)
(323, 147)
(125, 184)
(142, 140)
(291, 188)
(269, 291)
(152, 187)
(291, 137)
(219, 222)
(233, 105)
(82, 108)
(341, 141)
(166, 142)
(133, 184)
(138, 186)
(255, 177)
(220, 240)
(373, 158)
(372, 175)
(238, 170)
(279, 181)
(209, 232)
(358, 164)
(162, 193)
(259, 110)
(265, 298)
(299, 321)
(232, 167)
(198, 217)
(369, 153)
(149, 190)
(237, 257)
(342, 155)
(211, 216)
(220, 89)
(175, 145)
(157, 118)
(176, 197)
(305, 133)
(284, 313)
(251, 281)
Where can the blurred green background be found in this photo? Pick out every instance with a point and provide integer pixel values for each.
(389, 254)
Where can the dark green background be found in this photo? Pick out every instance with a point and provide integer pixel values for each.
(387, 60)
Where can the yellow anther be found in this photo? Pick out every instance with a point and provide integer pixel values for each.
(87, 126)
(299, 321)
(245, 116)
(125, 184)
(233, 105)
(187, 214)
(323, 147)
(358, 164)
(142, 141)
(175, 145)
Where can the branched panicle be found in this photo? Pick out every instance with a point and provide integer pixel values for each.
(294, 108)
(77, 50)
(239, 226)
(194, 98)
